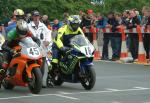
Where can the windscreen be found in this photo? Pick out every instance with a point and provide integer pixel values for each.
(79, 40)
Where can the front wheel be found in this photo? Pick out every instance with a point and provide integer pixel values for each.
(54, 78)
(7, 85)
(35, 84)
(88, 78)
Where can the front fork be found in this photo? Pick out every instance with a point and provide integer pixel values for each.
(48, 61)
(2, 76)
(30, 68)
(83, 67)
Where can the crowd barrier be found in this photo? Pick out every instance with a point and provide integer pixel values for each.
(123, 31)
(133, 30)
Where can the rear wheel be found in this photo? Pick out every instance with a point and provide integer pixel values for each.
(35, 84)
(89, 77)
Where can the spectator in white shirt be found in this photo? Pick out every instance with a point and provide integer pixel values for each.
(39, 30)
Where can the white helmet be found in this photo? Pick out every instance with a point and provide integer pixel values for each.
(73, 22)
(22, 27)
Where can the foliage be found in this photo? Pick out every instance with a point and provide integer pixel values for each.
(56, 8)
(121, 5)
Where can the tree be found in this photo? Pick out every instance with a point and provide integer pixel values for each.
(55, 8)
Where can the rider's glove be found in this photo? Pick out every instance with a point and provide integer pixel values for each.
(65, 49)
(12, 52)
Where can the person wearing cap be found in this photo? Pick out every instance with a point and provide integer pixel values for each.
(88, 20)
(39, 30)
(17, 15)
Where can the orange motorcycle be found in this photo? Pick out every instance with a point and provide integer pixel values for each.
(24, 68)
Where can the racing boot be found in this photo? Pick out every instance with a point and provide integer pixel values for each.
(51, 74)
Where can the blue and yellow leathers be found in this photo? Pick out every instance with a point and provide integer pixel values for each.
(63, 39)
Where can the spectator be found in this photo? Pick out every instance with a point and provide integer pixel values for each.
(138, 15)
(87, 20)
(118, 36)
(46, 22)
(106, 40)
(125, 17)
(101, 24)
(86, 23)
(125, 21)
(56, 25)
(81, 13)
(12, 20)
(132, 23)
(146, 23)
(101, 21)
(28, 17)
(114, 36)
(39, 30)
(65, 17)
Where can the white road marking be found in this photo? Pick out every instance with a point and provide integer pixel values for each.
(121, 76)
(116, 102)
(61, 92)
(73, 93)
(125, 90)
(142, 88)
(68, 97)
(112, 89)
(29, 96)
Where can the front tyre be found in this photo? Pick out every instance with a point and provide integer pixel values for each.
(35, 84)
(54, 78)
(89, 77)
(7, 85)
(58, 81)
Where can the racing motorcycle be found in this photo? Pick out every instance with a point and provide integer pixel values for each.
(24, 68)
(76, 66)
(2, 71)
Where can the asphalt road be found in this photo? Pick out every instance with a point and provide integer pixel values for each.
(116, 83)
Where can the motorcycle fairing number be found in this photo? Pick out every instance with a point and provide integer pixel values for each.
(33, 52)
(88, 51)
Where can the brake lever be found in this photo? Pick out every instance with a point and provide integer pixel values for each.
(69, 51)
(16, 54)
